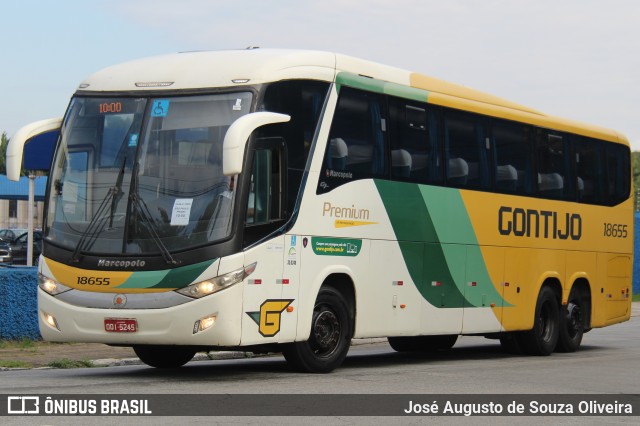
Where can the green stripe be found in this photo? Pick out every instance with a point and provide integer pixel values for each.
(438, 244)
(168, 278)
(382, 87)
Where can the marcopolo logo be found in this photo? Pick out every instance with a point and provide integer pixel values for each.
(137, 263)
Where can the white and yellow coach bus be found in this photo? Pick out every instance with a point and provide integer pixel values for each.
(290, 201)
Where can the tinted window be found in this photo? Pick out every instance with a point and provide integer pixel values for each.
(466, 150)
(552, 160)
(356, 148)
(617, 184)
(513, 165)
(589, 169)
(413, 133)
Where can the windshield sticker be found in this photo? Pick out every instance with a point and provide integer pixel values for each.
(70, 193)
(160, 108)
(69, 208)
(133, 140)
(238, 105)
(181, 211)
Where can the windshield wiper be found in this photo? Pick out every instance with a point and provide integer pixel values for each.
(98, 222)
(147, 217)
(95, 227)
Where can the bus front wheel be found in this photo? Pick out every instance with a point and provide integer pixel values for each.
(542, 339)
(161, 356)
(330, 338)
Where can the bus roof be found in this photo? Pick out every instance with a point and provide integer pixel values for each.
(229, 68)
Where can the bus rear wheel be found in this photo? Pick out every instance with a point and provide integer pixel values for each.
(572, 323)
(423, 343)
(542, 339)
(330, 338)
(161, 356)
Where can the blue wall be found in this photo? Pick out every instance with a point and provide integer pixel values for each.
(636, 259)
(18, 303)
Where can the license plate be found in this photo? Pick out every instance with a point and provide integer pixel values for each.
(120, 325)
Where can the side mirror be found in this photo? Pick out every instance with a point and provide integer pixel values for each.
(15, 148)
(236, 138)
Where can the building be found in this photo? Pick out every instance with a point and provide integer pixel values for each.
(14, 202)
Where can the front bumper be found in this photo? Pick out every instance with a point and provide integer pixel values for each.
(164, 326)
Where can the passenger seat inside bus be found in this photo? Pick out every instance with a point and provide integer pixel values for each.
(550, 184)
(339, 154)
(458, 171)
(506, 178)
(400, 163)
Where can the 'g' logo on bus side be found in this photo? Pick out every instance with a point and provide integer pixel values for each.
(269, 316)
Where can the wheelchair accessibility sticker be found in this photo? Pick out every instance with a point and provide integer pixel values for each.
(160, 108)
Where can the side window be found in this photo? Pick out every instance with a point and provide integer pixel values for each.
(302, 100)
(466, 151)
(356, 148)
(73, 185)
(513, 165)
(13, 208)
(552, 161)
(589, 170)
(617, 185)
(413, 138)
(265, 203)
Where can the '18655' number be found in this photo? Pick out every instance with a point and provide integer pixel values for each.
(93, 281)
(615, 230)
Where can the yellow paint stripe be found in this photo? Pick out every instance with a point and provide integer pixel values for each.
(350, 223)
(80, 278)
(455, 96)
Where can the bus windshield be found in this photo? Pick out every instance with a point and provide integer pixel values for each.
(143, 176)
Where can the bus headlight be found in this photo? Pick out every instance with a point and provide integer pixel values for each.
(205, 288)
(51, 286)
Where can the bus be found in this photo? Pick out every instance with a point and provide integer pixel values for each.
(290, 201)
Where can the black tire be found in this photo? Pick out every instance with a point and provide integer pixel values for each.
(330, 338)
(542, 339)
(423, 343)
(161, 356)
(572, 323)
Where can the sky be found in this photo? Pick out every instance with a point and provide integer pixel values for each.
(578, 59)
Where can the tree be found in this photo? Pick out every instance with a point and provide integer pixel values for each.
(635, 161)
(3, 153)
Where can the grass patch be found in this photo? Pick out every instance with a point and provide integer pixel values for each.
(636, 298)
(70, 363)
(15, 364)
(23, 344)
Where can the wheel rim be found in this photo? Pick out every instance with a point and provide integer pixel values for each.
(546, 322)
(326, 332)
(574, 319)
